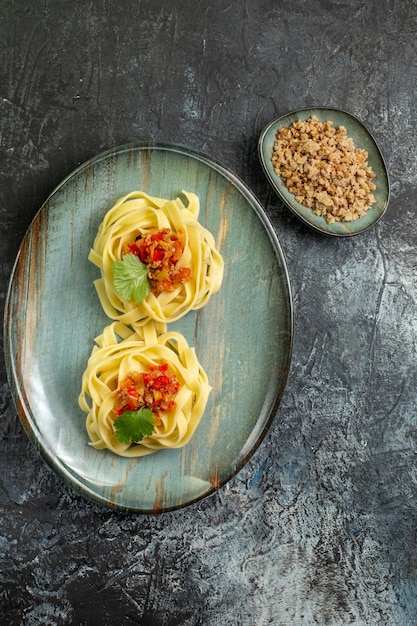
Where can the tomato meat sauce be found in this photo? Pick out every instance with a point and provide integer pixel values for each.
(160, 251)
(155, 390)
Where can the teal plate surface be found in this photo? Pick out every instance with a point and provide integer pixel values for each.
(243, 336)
(362, 139)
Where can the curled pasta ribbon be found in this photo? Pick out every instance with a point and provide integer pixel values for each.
(136, 214)
(118, 352)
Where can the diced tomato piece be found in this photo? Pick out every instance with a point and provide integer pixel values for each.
(147, 379)
(183, 274)
(158, 236)
(158, 255)
(161, 382)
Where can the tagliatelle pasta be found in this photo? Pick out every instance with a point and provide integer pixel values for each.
(121, 353)
(131, 218)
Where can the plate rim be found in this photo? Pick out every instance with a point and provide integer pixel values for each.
(25, 413)
(323, 230)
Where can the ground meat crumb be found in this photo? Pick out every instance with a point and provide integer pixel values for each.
(320, 165)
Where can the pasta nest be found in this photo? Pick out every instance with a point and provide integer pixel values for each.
(136, 214)
(118, 352)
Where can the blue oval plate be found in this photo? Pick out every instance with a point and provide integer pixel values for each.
(243, 336)
(362, 139)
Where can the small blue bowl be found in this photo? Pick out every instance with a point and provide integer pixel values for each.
(362, 139)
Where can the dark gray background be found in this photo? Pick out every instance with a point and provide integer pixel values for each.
(320, 526)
